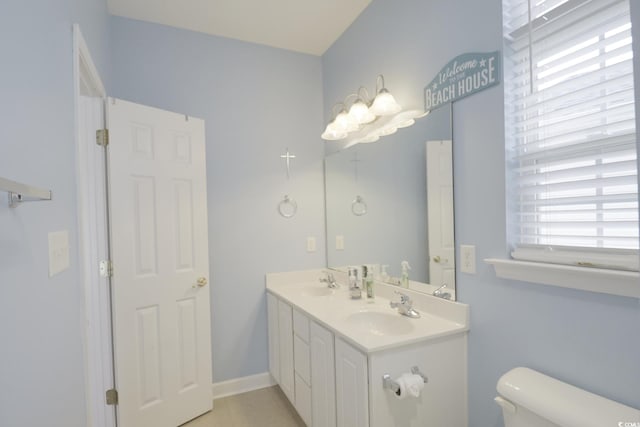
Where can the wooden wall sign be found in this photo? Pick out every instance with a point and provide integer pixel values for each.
(464, 75)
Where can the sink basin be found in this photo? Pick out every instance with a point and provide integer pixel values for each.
(317, 291)
(380, 323)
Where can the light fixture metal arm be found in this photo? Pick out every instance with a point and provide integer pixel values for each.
(379, 79)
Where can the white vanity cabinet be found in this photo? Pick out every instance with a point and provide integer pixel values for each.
(289, 354)
(323, 377)
(302, 365)
(274, 339)
(352, 393)
(333, 374)
(280, 318)
(285, 326)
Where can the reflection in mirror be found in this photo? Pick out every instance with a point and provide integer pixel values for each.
(392, 201)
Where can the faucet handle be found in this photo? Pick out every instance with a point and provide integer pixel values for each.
(437, 291)
(405, 306)
(404, 298)
(328, 276)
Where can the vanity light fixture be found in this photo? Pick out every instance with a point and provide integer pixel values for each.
(360, 111)
(366, 120)
(384, 104)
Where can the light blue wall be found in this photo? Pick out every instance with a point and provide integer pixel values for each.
(256, 102)
(41, 328)
(587, 339)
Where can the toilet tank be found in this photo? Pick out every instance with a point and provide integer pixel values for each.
(531, 399)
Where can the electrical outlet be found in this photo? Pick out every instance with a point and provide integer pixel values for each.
(311, 244)
(340, 243)
(468, 259)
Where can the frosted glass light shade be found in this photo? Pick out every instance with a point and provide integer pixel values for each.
(344, 122)
(360, 113)
(332, 134)
(384, 104)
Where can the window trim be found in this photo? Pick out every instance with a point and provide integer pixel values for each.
(536, 266)
(613, 282)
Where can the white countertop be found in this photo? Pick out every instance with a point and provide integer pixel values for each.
(304, 291)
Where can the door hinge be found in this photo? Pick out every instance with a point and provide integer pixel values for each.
(112, 396)
(102, 137)
(106, 268)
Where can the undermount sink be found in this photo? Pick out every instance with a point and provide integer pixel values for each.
(380, 323)
(317, 291)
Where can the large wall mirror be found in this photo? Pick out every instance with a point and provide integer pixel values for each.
(392, 201)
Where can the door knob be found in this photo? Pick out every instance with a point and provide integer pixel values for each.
(202, 281)
(438, 260)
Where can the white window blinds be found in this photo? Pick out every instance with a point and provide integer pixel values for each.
(570, 127)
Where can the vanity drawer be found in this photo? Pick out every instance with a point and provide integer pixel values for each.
(301, 325)
(301, 359)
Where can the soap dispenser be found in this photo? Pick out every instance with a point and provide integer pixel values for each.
(404, 279)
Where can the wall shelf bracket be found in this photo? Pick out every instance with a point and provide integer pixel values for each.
(19, 193)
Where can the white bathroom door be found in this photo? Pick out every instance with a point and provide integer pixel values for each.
(440, 213)
(159, 241)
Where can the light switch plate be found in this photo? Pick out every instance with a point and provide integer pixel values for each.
(468, 259)
(311, 244)
(58, 252)
(340, 243)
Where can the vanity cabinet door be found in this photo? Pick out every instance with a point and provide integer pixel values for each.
(274, 340)
(352, 400)
(285, 336)
(323, 393)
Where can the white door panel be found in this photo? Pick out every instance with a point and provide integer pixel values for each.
(440, 213)
(160, 251)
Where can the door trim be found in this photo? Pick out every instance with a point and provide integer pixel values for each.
(98, 357)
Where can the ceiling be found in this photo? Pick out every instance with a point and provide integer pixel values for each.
(308, 26)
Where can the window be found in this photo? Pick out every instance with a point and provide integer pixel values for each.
(570, 126)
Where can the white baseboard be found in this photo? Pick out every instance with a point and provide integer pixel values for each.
(242, 385)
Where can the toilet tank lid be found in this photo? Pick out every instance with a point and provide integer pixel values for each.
(562, 403)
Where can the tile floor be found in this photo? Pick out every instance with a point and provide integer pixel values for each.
(267, 407)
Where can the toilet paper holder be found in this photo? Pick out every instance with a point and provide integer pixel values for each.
(388, 382)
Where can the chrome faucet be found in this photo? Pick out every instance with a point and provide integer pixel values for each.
(440, 293)
(405, 306)
(329, 280)
(355, 290)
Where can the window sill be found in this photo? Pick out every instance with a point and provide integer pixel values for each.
(614, 282)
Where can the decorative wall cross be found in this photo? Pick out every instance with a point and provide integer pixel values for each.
(288, 157)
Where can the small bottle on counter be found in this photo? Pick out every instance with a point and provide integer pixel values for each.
(367, 274)
(355, 289)
(404, 279)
